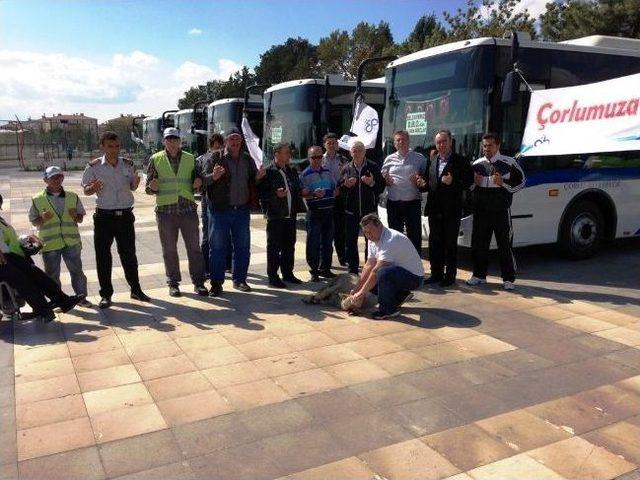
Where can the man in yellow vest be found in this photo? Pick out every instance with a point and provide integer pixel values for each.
(56, 213)
(171, 177)
(30, 282)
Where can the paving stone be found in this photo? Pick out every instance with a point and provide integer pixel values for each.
(82, 464)
(108, 377)
(520, 361)
(254, 394)
(127, 422)
(622, 439)
(54, 438)
(571, 415)
(278, 418)
(247, 462)
(190, 408)
(177, 385)
(388, 391)
(174, 471)
(358, 371)
(46, 389)
(351, 468)
(425, 416)
(9, 471)
(516, 467)
(55, 410)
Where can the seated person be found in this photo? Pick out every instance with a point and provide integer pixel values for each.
(27, 279)
(392, 266)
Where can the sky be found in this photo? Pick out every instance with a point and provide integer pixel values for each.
(107, 57)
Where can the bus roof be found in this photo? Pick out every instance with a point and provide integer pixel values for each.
(183, 111)
(335, 80)
(592, 44)
(222, 101)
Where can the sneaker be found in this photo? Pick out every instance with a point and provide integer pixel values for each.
(508, 285)
(277, 283)
(292, 279)
(174, 291)
(242, 286)
(379, 315)
(140, 296)
(327, 274)
(216, 289)
(85, 303)
(473, 281)
(105, 302)
(201, 290)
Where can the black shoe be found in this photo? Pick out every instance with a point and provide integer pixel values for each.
(201, 290)
(71, 302)
(342, 262)
(277, 283)
(327, 274)
(408, 297)
(242, 286)
(379, 315)
(447, 282)
(292, 279)
(174, 291)
(46, 317)
(140, 296)
(315, 278)
(105, 302)
(216, 289)
(431, 280)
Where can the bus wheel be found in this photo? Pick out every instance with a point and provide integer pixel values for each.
(582, 230)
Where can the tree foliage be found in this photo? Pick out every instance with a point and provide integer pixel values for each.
(295, 58)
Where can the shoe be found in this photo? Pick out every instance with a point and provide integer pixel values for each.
(508, 285)
(201, 290)
(105, 302)
(216, 289)
(277, 283)
(85, 303)
(431, 280)
(354, 272)
(447, 282)
(292, 279)
(140, 296)
(72, 301)
(327, 274)
(174, 291)
(315, 278)
(407, 298)
(473, 281)
(379, 315)
(46, 317)
(242, 286)
(342, 262)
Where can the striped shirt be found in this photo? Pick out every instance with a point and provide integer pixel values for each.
(322, 178)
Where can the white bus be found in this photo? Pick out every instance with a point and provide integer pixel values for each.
(576, 201)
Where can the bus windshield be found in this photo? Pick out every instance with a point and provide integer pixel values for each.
(444, 91)
(289, 118)
(225, 116)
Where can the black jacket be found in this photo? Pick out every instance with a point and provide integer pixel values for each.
(218, 192)
(447, 199)
(490, 197)
(273, 206)
(361, 199)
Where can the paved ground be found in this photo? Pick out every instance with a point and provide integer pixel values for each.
(541, 383)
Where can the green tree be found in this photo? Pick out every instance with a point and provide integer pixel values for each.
(579, 18)
(193, 95)
(295, 58)
(428, 32)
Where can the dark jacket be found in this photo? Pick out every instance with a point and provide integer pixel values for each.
(218, 192)
(273, 206)
(361, 199)
(447, 199)
(489, 197)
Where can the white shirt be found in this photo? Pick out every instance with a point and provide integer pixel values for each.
(286, 183)
(395, 248)
(401, 169)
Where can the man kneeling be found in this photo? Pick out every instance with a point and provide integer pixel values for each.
(393, 266)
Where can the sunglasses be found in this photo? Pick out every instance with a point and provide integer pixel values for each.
(315, 157)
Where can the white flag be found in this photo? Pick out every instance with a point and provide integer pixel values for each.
(364, 127)
(597, 117)
(253, 142)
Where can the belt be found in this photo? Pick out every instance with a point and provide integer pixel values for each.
(114, 213)
(237, 207)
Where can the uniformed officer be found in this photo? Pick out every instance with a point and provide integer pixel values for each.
(171, 177)
(113, 179)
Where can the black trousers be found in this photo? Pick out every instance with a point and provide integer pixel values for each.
(401, 215)
(443, 245)
(339, 234)
(107, 227)
(352, 232)
(281, 241)
(486, 224)
(31, 283)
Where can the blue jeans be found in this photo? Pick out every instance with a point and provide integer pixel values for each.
(73, 260)
(229, 228)
(204, 245)
(319, 239)
(394, 284)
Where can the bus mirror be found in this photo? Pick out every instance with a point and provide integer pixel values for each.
(510, 88)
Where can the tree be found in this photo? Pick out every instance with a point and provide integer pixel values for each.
(333, 52)
(428, 32)
(296, 58)
(579, 18)
(194, 94)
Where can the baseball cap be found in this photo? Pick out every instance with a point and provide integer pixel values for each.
(171, 132)
(52, 171)
(232, 131)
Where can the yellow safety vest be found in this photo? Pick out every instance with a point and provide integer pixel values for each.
(11, 239)
(59, 231)
(170, 185)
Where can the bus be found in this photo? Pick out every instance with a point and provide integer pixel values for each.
(152, 128)
(575, 201)
(300, 112)
(227, 113)
(187, 121)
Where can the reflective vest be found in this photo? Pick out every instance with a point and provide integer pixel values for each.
(11, 239)
(170, 185)
(57, 232)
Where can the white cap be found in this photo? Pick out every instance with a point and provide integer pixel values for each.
(52, 171)
(171, 132)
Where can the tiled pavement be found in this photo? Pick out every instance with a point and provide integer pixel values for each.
(540, 383)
